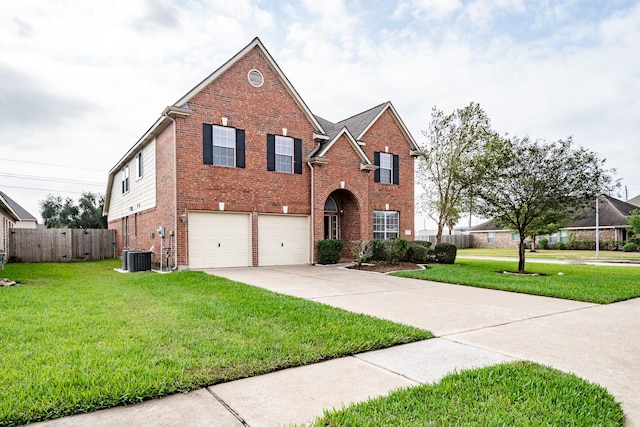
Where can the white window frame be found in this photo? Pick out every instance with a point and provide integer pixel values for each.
(386, 225)
(125, 179)
(490, 237)
(223, 140)
(515, 237)
(564, 236)
(139, 166)
(284, 153)
(386, 168)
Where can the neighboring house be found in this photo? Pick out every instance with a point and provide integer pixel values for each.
(612, 227)
(8, 219)
(635, 201)
(240, 172)
(25, 219)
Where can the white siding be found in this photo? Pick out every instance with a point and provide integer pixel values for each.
(142, 192)
(5, 226)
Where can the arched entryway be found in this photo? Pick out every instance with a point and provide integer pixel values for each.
(342, 217)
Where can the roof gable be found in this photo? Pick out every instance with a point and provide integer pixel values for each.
(352, 141)
(255, 44)
(358, 125)
(20, 212)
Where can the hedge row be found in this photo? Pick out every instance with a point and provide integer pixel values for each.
(392, 250)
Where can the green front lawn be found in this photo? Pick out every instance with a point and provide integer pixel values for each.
(511, 394)
(598, 284)
(77, 337)
(552, 254)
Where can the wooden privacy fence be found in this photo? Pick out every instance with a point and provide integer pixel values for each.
(460, 240)
(61, 244)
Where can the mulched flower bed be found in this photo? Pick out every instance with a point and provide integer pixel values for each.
(385, 267)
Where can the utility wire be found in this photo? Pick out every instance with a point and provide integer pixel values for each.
(43, 189)
(51, 164)
(50, 179)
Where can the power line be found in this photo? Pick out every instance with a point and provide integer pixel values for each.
(50, 179)
(43, 189)
(51, 164)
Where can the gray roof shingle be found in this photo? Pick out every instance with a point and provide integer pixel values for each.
(19, 210)
(611, 213)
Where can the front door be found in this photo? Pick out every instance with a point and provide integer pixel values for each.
(331, 226)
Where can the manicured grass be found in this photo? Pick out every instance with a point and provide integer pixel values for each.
(599, 284)
(77, 337)
(511, 394)
(552, 254)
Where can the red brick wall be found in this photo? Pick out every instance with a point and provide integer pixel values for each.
(344, 166)
(258, 111)
(386, 133)
(184, 183)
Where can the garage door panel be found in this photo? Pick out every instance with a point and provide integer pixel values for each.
(219, 239)
(283, 239)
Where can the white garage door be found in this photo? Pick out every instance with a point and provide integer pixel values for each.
(283, 240)
(219, 239)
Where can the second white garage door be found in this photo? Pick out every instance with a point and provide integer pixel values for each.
(283, 240)
(219, 239)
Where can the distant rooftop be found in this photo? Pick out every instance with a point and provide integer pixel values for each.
(21, 212)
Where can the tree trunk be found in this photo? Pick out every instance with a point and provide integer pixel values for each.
(440, 230)
(521, 248)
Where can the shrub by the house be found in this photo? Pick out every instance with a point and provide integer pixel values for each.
(445, 253)
(330, 251)
(418, 253)
(630, 247)
(361, 251)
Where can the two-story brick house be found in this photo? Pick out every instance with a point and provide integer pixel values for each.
(240, 172)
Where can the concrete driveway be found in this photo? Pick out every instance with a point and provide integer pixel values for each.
(475, 327)
(600, 343)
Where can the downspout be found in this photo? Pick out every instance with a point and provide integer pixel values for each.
(313, 202)
(175, 192)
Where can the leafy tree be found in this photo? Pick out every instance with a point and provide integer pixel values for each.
(59, 213)
(453, 142)
(529, 184)
(634, 221)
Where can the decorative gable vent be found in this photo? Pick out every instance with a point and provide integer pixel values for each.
(255, 78)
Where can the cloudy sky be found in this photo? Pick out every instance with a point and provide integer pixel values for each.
(81, 81)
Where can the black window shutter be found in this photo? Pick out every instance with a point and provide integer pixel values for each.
(271, 152)
(396, 169)
(207, 144)
(297, 156)
(240, 162)
(376, 161)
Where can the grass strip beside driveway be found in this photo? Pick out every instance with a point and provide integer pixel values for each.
(511, 394)
(597, 284)
(79, 336)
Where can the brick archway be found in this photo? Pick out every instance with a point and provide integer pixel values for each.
(343, 220)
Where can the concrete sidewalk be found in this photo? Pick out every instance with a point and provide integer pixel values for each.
(476, 327)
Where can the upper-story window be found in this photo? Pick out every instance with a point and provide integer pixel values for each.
(125, 179)
(139, 171)
(223, 146)
(388, 171)
(284, 154)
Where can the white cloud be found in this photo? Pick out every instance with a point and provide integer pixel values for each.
(431, 9)
(89, 78)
